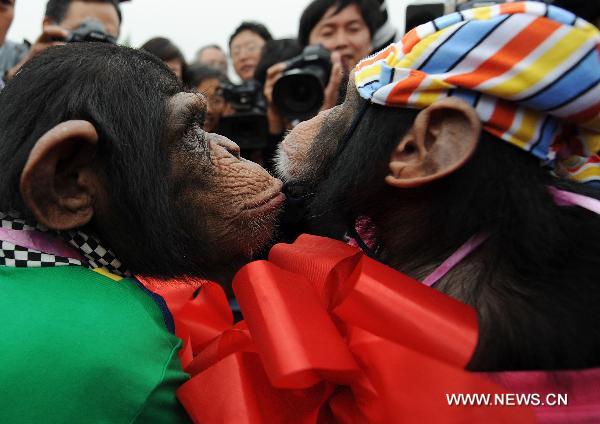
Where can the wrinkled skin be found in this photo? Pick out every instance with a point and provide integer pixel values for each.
(170, 199)
(230, 200)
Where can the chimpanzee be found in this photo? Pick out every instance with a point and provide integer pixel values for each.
(106, 174)
(419, 181)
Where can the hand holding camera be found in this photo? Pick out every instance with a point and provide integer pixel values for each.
(299, 88)
(333, 86)
(49, 37)
(276, 122)
(52, 35)
(247, 126)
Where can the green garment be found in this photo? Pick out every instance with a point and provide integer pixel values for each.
(78, 347)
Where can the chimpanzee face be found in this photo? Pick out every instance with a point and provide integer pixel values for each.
(130, 163)
(229, 201)
(307, 151)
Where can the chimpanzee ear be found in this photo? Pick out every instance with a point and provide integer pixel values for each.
(59, 181)
(443, 138)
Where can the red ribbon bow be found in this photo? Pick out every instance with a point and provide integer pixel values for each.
(329, 335)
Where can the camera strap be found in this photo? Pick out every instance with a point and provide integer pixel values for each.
(351, 229)
(299, 193)
(350, 132)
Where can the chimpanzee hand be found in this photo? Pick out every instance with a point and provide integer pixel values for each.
(51, 36)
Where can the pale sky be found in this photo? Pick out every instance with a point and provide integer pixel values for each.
(189, 23)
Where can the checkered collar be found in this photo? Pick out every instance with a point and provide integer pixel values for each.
(94, 254)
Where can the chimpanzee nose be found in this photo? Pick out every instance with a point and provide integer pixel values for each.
(228, 145)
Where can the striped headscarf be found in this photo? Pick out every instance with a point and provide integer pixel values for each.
(531, 71)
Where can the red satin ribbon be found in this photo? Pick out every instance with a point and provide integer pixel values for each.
(329, 336)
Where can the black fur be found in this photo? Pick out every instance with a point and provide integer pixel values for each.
(534, 282)
(123, 93)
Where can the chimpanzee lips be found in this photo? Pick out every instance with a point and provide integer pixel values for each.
(266, 204)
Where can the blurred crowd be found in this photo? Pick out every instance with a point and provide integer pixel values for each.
(464, 157)
(283, 81)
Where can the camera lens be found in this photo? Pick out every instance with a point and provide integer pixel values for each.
(298, 94)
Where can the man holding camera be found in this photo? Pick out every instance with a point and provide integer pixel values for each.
(345, 29)
(101, 18)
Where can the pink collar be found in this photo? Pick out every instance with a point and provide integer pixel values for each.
(462, 252)
(582, 388)
(561, 198)
(43, 242)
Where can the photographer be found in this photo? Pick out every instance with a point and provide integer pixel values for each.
(169, 53)
(275, 55)
(212, 55)
(345, 29)
(63, 17)
(344, 26)
(245, 45)
(10, 53)
(208, 81)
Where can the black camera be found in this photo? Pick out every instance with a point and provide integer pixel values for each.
(477, 3)
(299, 93)
(89, 30)
(248, 126)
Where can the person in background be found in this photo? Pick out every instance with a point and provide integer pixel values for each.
(70, 14)
(7, 14)
(213, 55)
(345, 27)
(169, 53)
(207, 80)
(275, 53)
(10, 52)
(245, 45)
(62, 17)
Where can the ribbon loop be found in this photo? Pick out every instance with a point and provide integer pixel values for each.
(331, 336)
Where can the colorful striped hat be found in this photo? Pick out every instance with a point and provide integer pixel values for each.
(531, 71)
